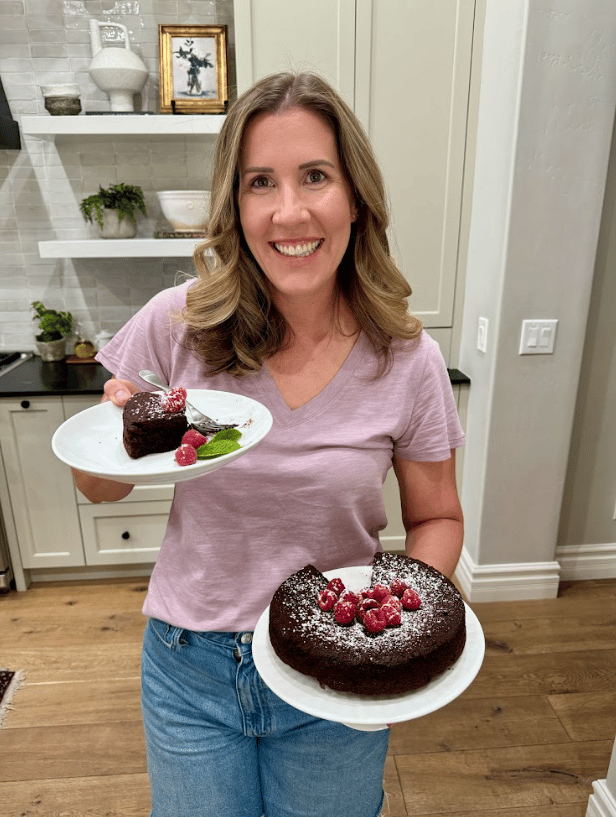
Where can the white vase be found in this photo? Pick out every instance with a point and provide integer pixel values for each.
(118, 71)
(114, 228)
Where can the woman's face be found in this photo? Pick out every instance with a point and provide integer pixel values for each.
(296, 207)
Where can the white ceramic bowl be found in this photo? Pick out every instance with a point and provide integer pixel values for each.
(60, 90)
(185, 210)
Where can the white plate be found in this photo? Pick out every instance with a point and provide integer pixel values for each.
(358, 711)
(91, 441)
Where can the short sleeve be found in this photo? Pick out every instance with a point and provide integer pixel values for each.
(434, 427)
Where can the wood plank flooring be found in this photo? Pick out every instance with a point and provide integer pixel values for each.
(527, 739)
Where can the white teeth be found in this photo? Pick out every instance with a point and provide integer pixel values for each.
(297, 250)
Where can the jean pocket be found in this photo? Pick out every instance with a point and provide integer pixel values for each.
(173, 638)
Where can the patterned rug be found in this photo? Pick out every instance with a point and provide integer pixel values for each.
(10, 682)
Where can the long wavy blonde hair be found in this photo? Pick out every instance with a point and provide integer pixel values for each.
(231, 320)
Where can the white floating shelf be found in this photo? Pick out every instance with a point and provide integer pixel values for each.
(119, 248)
(158, 124)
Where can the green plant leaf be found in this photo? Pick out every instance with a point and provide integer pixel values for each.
(227, 434)
(223, 442)
(216, 448)
(126, 199)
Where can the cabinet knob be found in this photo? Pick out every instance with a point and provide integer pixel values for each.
(25, 404)
(126, 535)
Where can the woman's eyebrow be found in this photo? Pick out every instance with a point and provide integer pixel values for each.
(303, 166)
(315, 163)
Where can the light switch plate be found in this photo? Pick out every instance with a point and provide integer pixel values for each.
(538, 337)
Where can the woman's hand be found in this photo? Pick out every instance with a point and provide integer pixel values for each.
(95, 488)
(118, 391)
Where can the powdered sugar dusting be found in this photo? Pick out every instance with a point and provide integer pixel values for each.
(440, 601)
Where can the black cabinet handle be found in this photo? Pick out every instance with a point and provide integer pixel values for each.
(25, 404)
(126, 535)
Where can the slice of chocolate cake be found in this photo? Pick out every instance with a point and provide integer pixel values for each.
(150, 427)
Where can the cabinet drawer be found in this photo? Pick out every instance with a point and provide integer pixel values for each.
(123, 534)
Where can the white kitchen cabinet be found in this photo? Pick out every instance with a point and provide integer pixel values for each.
(51, 524)
(126, 532)
(405, 68)
(123, 534)
(40, 487)
(276, 35)
(412, 85)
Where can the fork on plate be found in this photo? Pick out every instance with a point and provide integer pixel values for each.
(196, 419)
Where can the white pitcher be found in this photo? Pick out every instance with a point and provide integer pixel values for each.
(118, 71)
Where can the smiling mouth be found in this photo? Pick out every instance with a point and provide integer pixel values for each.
(298, 250)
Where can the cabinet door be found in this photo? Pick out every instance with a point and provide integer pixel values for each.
(40, 487)
(116, 534)
(308, 35)
(413, 62)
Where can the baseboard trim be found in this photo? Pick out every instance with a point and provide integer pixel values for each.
(507, 582)
(601, 802)
(579, 562)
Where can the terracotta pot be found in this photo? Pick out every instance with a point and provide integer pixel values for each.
(114, 228)
(52, 350)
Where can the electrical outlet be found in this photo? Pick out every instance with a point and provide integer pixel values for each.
(538, 337)
(482, 334)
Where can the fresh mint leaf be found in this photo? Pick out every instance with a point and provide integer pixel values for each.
(224, 442)
(227, 434)
(216, 448)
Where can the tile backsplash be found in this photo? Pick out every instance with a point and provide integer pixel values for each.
(46, 42)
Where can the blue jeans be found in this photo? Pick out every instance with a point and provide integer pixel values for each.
(221, 744)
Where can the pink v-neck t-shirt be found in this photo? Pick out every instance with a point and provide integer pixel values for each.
(310, 492)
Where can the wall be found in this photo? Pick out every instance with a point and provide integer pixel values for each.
(587, 535)
(48, 41)
(546, 111)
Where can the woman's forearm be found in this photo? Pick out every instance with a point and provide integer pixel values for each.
(97, 489)
(438, 542)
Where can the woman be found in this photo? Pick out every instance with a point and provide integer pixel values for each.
(304, 310)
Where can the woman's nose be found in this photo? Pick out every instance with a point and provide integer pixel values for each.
(290, 207)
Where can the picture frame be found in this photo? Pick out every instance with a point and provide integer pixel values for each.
(193, 69)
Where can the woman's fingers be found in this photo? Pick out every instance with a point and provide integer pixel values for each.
(118, 391)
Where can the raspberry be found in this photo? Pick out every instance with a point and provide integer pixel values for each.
(327, 599)
(192, 437)
(392, 614)
(373, 622)
(336, 585)
(398, 587)
(349, 596)
(174, 400)
(392, 601)
(365, 605)
(410, 600)
(185, 455)
(344, 612)
(380, 592)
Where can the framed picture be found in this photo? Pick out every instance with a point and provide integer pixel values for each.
(193, 69)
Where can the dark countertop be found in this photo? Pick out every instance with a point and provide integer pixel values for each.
(36, 378)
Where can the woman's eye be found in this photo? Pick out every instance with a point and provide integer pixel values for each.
(315, 176)
(260, 182)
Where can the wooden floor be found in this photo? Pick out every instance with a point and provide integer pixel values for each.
(525, 740)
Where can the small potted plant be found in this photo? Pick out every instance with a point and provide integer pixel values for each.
(114, 210)
(54, 328)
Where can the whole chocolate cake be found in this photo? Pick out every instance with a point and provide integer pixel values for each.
(152, 424)
(391, 638)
